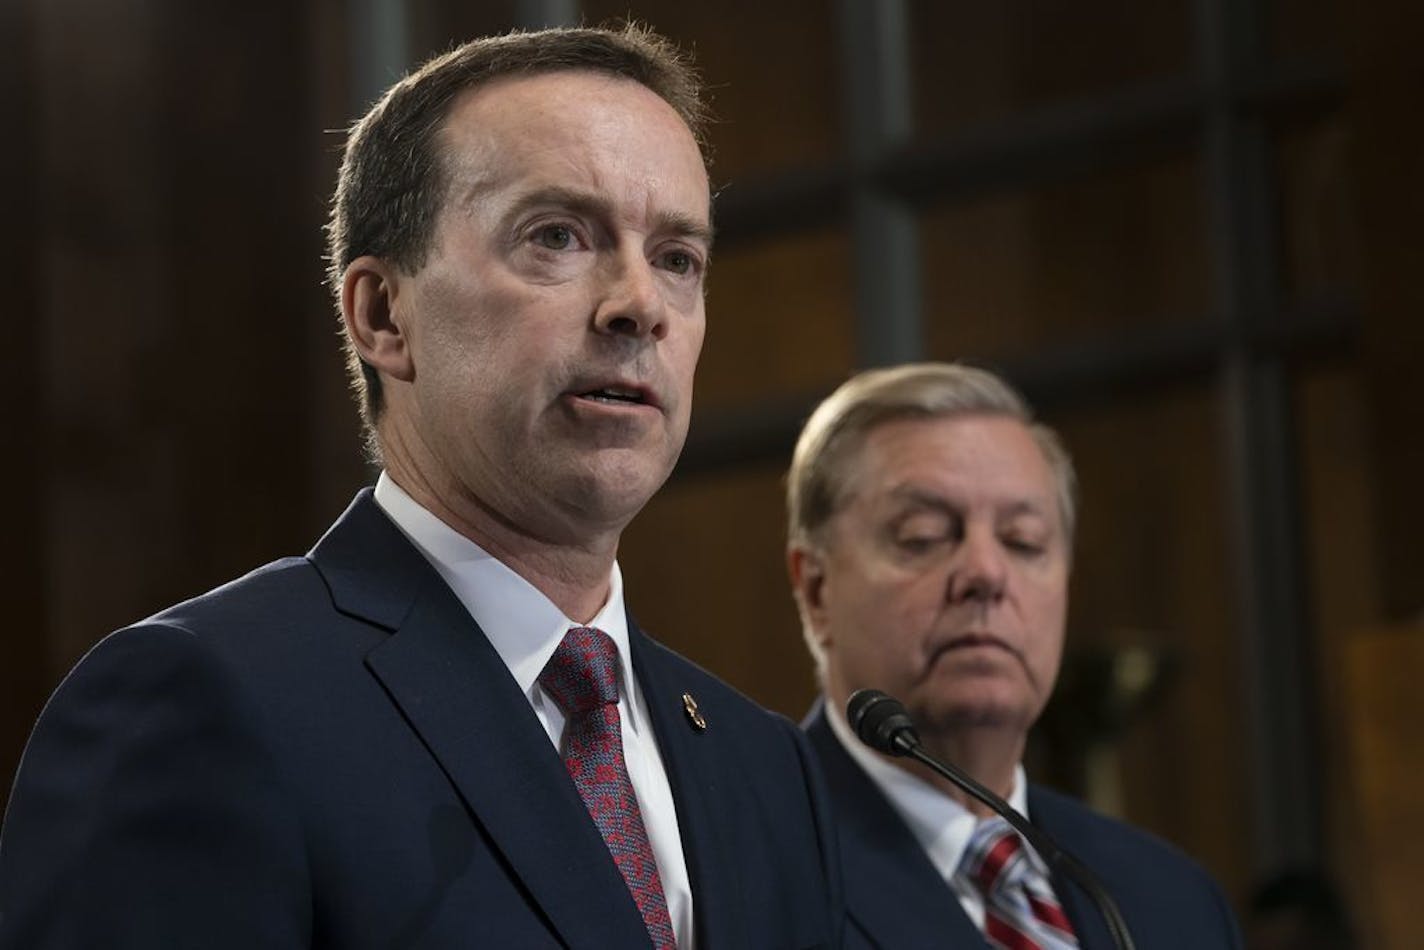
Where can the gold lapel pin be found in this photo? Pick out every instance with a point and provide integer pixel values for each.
(694, 715)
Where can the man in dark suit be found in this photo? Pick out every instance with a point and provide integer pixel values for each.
(931, 526)
(439, 728)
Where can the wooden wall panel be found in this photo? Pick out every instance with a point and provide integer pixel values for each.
(111, 516)
(181, 344)
(705, 573)
(779, 321)
(1151, 570)
(1386, 76)
(23, 643)
(1103, 255)
(1384, 706)
(977, 63)
(1342, 516)
(773, 74)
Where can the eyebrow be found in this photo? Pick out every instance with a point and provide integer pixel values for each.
(920, 498)
(587, 203)
(928, 499)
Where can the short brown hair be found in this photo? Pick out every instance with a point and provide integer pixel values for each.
(393, 178)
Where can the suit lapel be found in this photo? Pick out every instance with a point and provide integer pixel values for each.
(694, 771)
(893, 892)
(1088, 923)
(456, 693)
(881, 857)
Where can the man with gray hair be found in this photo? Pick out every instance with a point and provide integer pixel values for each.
(931, 523)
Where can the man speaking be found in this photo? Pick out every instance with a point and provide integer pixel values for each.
(931, 527)
(440, 728)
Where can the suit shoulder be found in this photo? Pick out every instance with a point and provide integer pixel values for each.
(763, 740)
(1169, 899)
(270, 628)
(1115, 848)
(277, 587)
(710, 690)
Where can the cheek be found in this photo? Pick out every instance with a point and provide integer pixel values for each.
(455, 320)
(896, 610)
(1049, 614)
(921, 597)
(690, 347)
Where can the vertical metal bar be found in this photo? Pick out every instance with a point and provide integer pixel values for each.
(380, 49)
(538, 14)
(874, 40)
(1278, 673)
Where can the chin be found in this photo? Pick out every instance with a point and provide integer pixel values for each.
(607, 500)
(980, 712)
(634, 475)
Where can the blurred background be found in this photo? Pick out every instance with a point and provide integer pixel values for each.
(1189, 230)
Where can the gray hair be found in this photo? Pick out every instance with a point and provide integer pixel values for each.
(816, 483)
(836, 430)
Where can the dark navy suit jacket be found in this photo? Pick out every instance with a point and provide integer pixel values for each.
(897, 900)
(329, 753)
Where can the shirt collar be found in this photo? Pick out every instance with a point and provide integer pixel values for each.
(940, 824)
(522, 624)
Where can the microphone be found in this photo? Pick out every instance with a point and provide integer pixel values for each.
(882, 722)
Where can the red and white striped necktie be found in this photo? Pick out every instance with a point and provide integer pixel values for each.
(1020, 911)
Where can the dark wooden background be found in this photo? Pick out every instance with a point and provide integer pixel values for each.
(178, 414)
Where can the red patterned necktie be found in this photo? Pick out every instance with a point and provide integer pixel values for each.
(1020, 911)
(582, 678)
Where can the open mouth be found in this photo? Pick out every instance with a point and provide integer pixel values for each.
(616, 395)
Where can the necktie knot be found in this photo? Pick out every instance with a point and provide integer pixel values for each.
(994, 856)
(583, 672)
(1020, 910)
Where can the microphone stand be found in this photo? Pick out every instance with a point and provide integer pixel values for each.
(882, 723)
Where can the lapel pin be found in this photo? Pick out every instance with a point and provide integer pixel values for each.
(694, 715)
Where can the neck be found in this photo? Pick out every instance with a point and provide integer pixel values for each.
(575, 577)
(989, 756)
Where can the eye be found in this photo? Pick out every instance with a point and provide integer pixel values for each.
(679, 261)
(923, 531)
(1027, 547)
(916, 544)
(555, 237)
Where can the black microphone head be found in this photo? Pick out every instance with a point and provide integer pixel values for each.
(881, 722)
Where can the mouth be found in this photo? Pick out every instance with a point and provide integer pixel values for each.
(617, 394)
(614, 394)
(974, 641)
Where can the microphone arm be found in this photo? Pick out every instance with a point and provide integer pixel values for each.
(882, 723)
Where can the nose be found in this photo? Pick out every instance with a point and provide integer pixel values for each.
(632, 303)
(979, 572)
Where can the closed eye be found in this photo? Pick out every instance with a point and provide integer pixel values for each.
(918, 544)
(1024, 546)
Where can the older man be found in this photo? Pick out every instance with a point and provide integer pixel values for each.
(931, 527)
(440, 728)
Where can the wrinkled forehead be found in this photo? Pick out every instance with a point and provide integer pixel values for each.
(988, 458)
(571, 124)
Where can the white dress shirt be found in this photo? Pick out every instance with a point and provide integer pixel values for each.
(940, 824)
(525, 628)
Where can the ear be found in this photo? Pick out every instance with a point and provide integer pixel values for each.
(369, 290)
(807, 568)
